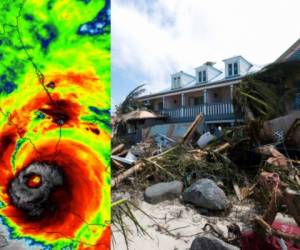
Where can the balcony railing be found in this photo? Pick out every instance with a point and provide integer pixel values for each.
(212, 111)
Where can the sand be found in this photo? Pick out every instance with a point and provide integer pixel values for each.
(182, 221)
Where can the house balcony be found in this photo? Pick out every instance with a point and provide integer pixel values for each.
(213, 112)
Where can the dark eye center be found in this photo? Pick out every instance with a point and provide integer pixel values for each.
(34, 181)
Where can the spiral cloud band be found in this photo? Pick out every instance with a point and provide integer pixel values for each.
(55, 123)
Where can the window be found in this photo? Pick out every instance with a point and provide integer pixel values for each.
(204, 75)
(160, 106)
(193, 101)
(197, 101)
(176, 82)
(200, 76)
(235, 68)
(230, 69)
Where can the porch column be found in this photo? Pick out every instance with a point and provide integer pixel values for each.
(205, 101)
(231, 98)
(182, 100)
(182, 105)
(231, 92)
(164, 102)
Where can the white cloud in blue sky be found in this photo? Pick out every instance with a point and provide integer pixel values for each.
(153, 38)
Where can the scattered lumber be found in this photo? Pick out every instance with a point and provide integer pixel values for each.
(122, 153)
(122, 159)
(237, 191)
(191, 130)
(222, 148)
(117, 149)
(118, 179)
(117, 164)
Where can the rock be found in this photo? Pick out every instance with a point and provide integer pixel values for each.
(163, 191)
(206, 194)
(209, 242)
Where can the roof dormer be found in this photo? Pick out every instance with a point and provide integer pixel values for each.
(236, 66)
(206, 72)
(180, 79)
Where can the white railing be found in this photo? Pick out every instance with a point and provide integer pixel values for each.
(212, 111)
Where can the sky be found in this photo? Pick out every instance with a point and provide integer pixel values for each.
(151, 39)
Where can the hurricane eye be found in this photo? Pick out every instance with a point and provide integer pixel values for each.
(34, 181)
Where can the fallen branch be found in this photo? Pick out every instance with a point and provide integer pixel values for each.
(122, 153)
(161, 168)
(237, 191)
(117, 149)
(199, 154)
(117, 164)
(222, 148)
(137, 167)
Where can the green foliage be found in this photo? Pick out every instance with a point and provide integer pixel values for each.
(269, 93)
(131, 103)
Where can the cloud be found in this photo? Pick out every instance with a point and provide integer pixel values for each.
(152, 39)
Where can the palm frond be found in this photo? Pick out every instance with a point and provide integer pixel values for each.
(131, 103)
(122, 209)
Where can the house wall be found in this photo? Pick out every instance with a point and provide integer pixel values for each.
(192, 95)
(156, 104)
(244, 67)
(217, 95)
(173, 102)
(184, 79)
(210, 71)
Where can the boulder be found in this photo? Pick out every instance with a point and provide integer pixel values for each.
(209, 242)
(205, 193)
(163, 191)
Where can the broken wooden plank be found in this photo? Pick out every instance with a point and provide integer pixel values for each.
(117, 149)
(122, 153)
(222, 148)
(117, 164)
(237, 191)
(191, 130)
(118, 179)
(123, 160)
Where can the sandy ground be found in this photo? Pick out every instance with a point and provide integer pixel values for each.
(183, 223)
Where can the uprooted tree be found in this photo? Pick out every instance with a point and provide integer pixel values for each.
(269, 93)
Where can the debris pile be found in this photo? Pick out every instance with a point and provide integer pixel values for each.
(212, 169)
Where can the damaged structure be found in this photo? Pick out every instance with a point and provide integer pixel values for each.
(194, 147)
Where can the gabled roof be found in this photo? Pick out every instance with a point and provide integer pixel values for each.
(205, 65)
(182, 73)
(238, 57)
(292, 53)
(221, 78)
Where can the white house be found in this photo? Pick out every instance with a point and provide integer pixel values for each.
(209, 90)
